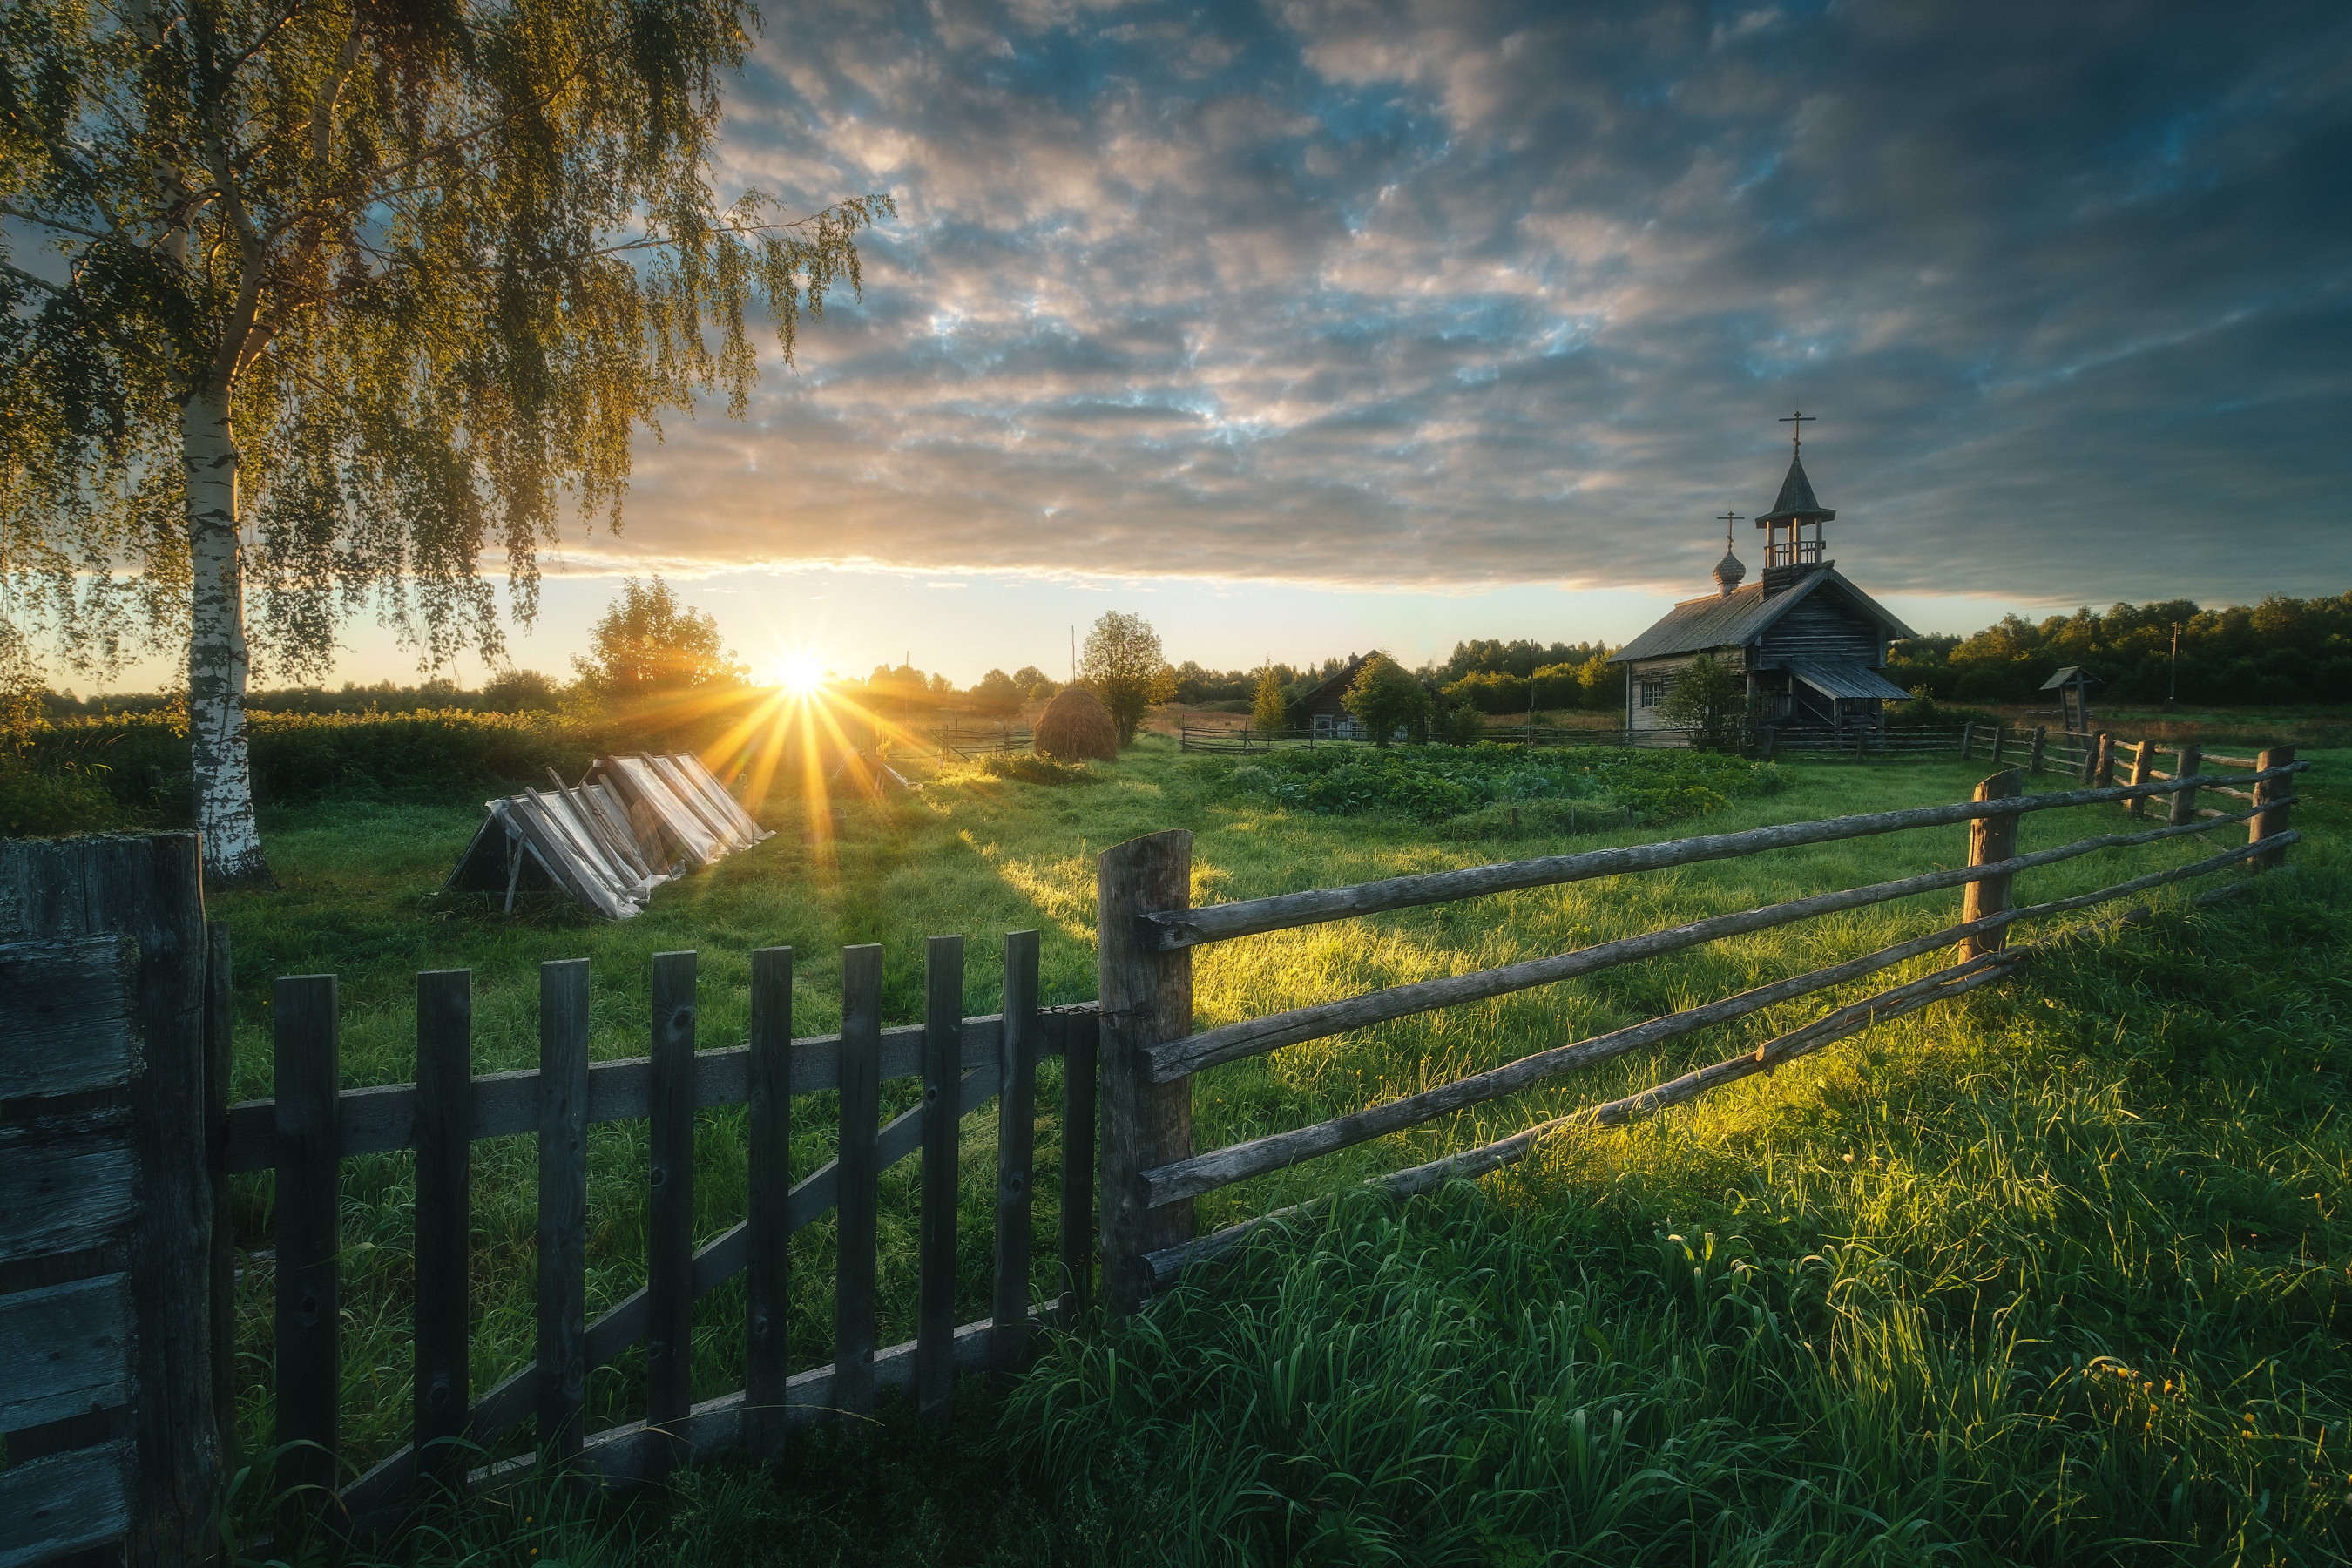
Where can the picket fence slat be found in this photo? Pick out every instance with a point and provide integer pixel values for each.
(767, 1219)
(558, 1383)
(1016, 1145)
(444, 1017)
(309, 1236)
(935, 1321)
(858, 1174)
(669, 1231)
(1079, 1062)
(71, 1026)
(62, 1503)
(61, 1350)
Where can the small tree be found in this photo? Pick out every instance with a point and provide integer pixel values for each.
(649, 645)
(995, 695)
(1123, 666)
(1710, 700)
(1270, 709)
(1386, 697)
(519, 691)
(1033, 684)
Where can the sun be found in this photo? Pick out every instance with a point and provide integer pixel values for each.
(802, 674)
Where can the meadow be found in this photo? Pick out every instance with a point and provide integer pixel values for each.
(2053, 1273)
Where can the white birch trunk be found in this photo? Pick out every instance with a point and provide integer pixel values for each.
(217, 648)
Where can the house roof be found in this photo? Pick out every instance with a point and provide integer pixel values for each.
(2067, 675)
(1796, 501)
(1739, 617)
(1841, 679)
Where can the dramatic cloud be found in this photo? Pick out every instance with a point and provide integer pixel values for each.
(1400, 295)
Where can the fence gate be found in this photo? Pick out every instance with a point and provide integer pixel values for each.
(107, 1201)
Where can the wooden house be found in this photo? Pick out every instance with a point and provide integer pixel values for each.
(1324, 709)
(1810, 645)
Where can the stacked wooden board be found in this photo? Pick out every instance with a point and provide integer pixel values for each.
(630, 824)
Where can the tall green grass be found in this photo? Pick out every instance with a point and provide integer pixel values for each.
(1905, 1270)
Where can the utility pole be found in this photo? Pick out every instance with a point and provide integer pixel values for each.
(2172, 681)
(1531, 695)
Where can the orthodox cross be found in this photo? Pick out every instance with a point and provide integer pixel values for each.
(1727, 518)
(1800, 419)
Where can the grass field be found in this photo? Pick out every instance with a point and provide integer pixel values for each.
(2052, 1274)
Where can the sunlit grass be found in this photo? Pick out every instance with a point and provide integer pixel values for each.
(2125, 1157)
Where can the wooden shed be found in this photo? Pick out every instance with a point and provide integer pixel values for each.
(1810, 645)
(2073, 686)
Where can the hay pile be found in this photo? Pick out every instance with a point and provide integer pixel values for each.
(1076, 726)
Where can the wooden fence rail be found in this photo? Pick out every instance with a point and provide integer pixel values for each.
(309, 1128)
(1151, 1173)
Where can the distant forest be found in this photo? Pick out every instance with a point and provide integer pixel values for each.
(2281, 650)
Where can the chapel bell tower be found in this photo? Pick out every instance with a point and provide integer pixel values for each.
(1793, 544)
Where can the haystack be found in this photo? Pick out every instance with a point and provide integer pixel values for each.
(1075, 726)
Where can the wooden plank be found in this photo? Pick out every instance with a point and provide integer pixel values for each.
(1147, 1001)
(64, 1196)
(1016, 1140)
(858, 1202)
(220, 1071)
(440, 1392)
(767, 1221)
(2272, 798)
(381, 1119)
(309, 1237)
(2184, 805)
(1223, 923)
(1990, 839)
(935, 1221)
(670, 1241)
(559, 1380)
(68, 1026)
(1205, 1172)
(1080, 1113)
(63, 1503)
(2143, 758)
(65, 1349)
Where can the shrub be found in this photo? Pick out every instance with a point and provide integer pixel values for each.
(42, 802)
(1430, 784)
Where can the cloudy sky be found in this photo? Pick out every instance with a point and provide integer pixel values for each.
(1308, 327)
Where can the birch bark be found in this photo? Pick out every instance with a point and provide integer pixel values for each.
(218, 658)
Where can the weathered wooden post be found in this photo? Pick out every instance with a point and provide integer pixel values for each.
(1990, 839)
(1146, 997)
(2033, 763)
(669, 1217)
(2184, 802)
(936, 1221)
(2142, 760)
(1968, 740)
(2103, 760)
(440, 1391)
(309, 1245)
(767, 1219)
(1016, 1147)
(1999, 739)
(2270, 818)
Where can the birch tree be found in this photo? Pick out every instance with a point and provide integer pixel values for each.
(311, 304)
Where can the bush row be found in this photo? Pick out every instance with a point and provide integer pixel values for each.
(1433, 783)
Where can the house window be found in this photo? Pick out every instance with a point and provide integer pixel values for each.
(1654, 691)
(1323, 726)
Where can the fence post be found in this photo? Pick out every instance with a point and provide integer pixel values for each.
(562, 1205)
(767, 1219)
(309, 1236)
(1991, 838)
(936, 1221)
(1999, 739)
(1968, 740)
(1146, 997)
(669, 1235)
(2269, 818)
(1016, 1135)
(444, 1144)
(1081, 1042)
(2105, 757)
(2033, 763)
(2184, 802)
(2143, 758)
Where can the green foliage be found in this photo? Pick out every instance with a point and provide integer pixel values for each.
(1457, 726)
(45, 802)
(649, 646)
(1269, 704)
(1432, 783)
(520, 691)
(1592, 682)
(1028, 767)
(1385, 697)
(2281, 650)
(1033, 684)
(1709, 699)
(1122, 664)
(996, 696)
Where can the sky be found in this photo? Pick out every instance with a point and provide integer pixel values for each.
(1302, 329)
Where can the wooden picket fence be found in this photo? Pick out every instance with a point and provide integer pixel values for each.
(311, 1126)
(1151, 1173)
(2094, 758)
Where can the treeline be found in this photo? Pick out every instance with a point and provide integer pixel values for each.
(512, 691)
(2281, 650)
